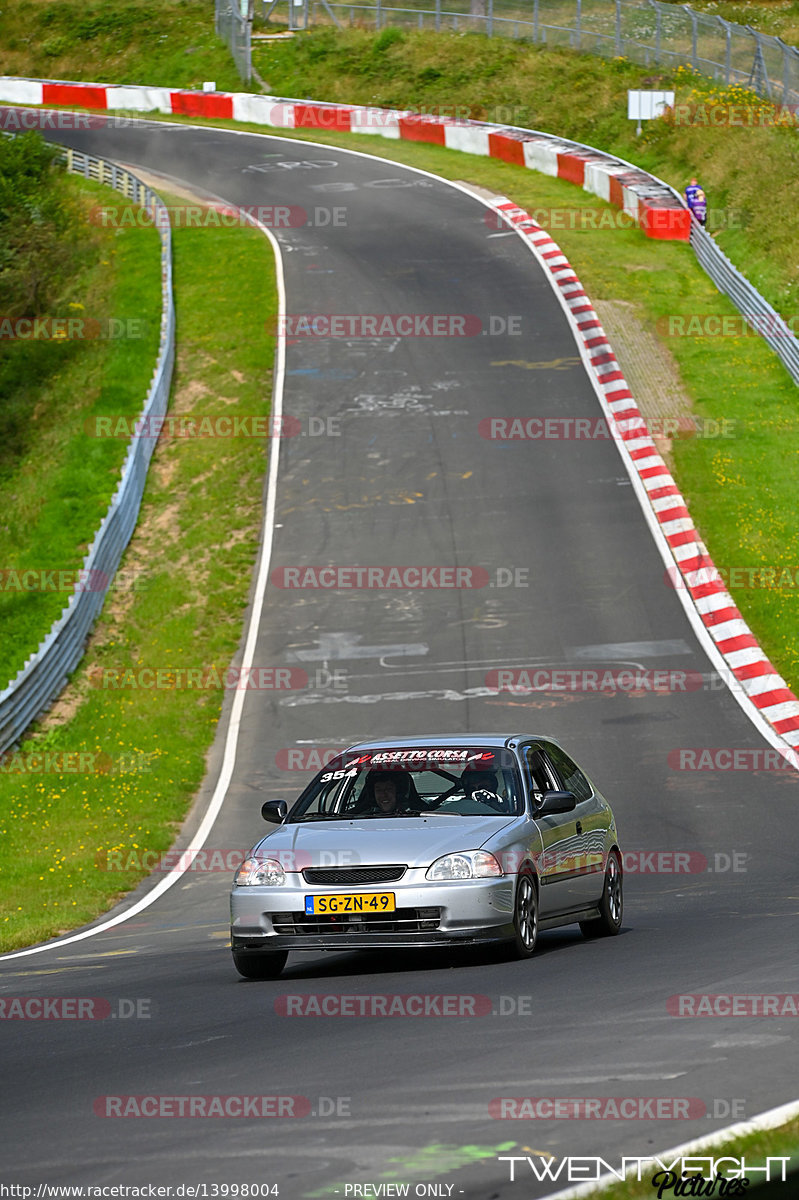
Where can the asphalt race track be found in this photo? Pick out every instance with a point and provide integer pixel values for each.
(393, 471)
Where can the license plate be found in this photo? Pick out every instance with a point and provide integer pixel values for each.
(364, 902)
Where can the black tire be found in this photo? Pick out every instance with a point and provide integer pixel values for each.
(611, 906)
(267, 965)
(525, 917)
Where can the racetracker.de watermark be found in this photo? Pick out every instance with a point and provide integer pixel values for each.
(392, 325)
(74, 1008)
(634, 862)
(305, 758)
(204, 1107)
(528, 680)
(72, 329)
(499, 114)
(742, 116)
(226, 859)
(683, 862)
(16, 120)
(338, 1004)
(606, 217)
(170, 679)
(779, 578)
(732, 325)
(596, 1108)
(218, 216)
(733, 758)
(727, 1004)
(602, 429)
(566, 218)
(16, 580)
(390, 578)
(182, 426)
(74, 762)
(166, 861)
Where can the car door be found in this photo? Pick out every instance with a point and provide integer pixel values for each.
(591, 820)
(558, 833)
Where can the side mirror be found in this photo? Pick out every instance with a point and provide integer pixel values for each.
(556, 802)
(274, 811)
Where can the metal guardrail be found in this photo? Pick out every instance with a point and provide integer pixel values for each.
(650, 32)
(755, 309)
(46, 672)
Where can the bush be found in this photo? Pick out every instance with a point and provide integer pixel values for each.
(44, 240)
(41, 233)
(388, 37)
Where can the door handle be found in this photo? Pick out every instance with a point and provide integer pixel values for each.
(579, 827)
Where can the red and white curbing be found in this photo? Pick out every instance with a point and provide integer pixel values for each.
(642, 197)
(748, 665)
(645, 199)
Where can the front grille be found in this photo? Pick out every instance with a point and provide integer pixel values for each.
(403, 920)
(352, 876)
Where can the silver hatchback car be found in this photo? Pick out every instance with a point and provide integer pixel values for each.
(435, 841)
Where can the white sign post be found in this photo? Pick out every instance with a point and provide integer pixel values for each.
(645, 106)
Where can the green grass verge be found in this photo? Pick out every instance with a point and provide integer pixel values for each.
(143, 750)
(165, 43)
(577, 96)
(50, 516)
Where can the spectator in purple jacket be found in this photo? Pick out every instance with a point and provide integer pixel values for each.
(695, 199)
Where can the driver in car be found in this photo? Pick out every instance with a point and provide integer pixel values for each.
(481, 786)
(384, 790)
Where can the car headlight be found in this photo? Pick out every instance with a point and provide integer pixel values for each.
(267, 872)
(469, 864)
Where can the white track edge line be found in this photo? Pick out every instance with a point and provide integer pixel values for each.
(234, 722)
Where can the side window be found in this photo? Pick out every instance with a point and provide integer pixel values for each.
(570, 773)
(540, 776)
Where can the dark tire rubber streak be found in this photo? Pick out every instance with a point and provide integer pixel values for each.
(410, 481)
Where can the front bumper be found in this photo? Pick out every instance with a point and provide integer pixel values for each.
(427, 914)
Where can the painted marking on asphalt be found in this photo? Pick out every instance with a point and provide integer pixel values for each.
(474, 693)
(610, 1075)
(52, 971)
(347, 645)
(555, 364)
(611, 650)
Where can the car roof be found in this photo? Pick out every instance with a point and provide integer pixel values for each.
(495, 740)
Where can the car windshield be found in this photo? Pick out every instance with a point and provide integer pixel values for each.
(412, 784)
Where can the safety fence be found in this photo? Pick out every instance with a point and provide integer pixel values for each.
(233, 24)
(650, 32)
(46, 671)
